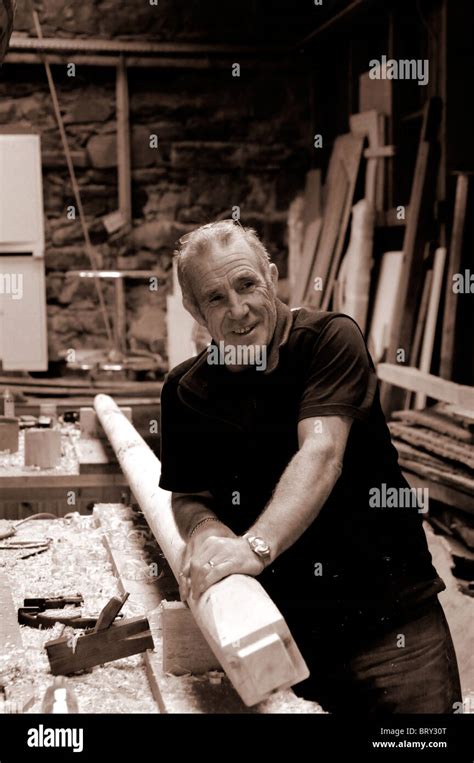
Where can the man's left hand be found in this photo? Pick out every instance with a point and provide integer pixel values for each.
(216, 558)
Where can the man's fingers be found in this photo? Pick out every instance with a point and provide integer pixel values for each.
(207, 576)
(184, 588)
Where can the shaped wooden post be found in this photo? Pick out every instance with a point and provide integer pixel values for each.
(240, 622)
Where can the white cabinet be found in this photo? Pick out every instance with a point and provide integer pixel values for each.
(23, 333)
(23, 336)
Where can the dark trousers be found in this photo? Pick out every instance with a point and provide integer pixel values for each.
(409, 668)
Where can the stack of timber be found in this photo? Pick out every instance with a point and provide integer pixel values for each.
(437, 444)
(319, 223)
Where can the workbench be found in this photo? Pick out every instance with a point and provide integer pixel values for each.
(100, 557)
(26, 489)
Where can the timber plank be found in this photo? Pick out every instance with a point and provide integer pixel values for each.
(413, 379)
(442, 493)
(454, 266)
(434, 443)
(350, 147)
(417, 233)
(431, 419)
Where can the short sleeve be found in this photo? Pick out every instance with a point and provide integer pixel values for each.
(182, 447)
(341, 378)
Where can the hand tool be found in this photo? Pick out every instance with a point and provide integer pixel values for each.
(107, 642)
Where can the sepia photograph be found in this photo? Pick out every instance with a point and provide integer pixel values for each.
(237, 375)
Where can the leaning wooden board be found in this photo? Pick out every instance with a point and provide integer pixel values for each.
(454, 266)
(333, 214)
(418, 232)
(350, 152)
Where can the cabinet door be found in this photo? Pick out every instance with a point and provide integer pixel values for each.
(21, 199)
(23, 337)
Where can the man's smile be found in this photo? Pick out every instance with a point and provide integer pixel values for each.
(245, 329)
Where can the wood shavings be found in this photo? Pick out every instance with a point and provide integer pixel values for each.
(76, 562)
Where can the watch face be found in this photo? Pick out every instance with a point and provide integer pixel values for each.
(260, 546)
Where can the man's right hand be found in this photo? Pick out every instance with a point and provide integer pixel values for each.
(208, 530)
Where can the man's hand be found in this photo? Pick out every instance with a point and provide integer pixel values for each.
(228, 553)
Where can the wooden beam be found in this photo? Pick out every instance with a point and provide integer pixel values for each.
(350, 153)
(142, 62)
(23, 58)
(415, 380)
(434, 419)
(417, 233)
(95, 456)
(431, 320)
(454, 266)
(185, 649)
(90, 424)
(434, 442)
(442, 493)
(137, 47)
(242, 625)
(42, 448)
(420, 329)
(48, 482)
(9, 433)
(123, 146)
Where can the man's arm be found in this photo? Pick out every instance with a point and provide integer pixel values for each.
(190, 510)
(299, 496)
(306, 483)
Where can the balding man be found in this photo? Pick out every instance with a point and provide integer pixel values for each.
(273, 443)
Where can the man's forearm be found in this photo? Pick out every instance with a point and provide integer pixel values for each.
(302, 491)
(189, 510)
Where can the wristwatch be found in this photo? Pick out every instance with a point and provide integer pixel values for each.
(259, 546)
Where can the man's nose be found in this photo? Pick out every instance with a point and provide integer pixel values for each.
(238, 308)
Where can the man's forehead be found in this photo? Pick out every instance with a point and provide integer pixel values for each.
(236, 248)
(227, 261)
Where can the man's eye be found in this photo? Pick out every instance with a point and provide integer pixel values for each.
(247, 285)
(215, 298)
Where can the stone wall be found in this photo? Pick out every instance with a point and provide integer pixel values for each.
(223, 141)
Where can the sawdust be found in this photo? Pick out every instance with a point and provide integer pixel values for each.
(77, 562)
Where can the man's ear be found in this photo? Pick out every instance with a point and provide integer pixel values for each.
(192, 308)
(274, 275)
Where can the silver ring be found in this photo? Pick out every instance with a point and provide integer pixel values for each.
(211, 563)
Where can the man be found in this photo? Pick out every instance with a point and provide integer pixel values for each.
(272, 465)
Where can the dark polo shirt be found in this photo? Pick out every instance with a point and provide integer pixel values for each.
(234, 434)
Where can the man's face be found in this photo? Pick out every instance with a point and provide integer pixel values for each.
(236, 301)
